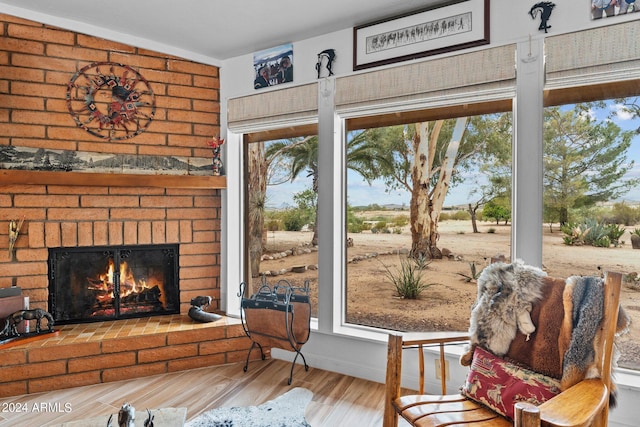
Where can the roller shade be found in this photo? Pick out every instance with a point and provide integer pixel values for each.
(483, 73)
(273, 108)
(594, 56)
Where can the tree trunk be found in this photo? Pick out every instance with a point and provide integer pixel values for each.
(314, 239)
(426, 206)
(635, 241)
(423, 233)
(257, 198)
(474, 221)
(564, 216)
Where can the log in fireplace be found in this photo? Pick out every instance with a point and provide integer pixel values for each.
(90, 284)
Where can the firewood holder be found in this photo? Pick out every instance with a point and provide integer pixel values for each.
(277, 316)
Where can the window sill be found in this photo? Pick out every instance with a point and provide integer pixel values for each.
(625, 378)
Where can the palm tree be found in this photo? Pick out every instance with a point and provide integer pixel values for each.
(363, 157)
(302, 155)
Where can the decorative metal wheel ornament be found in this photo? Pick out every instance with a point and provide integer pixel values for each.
(111, 101)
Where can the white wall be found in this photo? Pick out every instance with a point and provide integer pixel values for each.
(510, 23)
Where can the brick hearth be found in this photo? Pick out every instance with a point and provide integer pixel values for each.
(100, 352)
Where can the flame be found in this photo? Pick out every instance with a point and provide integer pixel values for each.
(128, 283)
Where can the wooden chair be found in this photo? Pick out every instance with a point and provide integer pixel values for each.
(584, 404)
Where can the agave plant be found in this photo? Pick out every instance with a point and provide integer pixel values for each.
(407, 279)
(474, 273)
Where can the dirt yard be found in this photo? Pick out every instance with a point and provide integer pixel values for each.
(445, 305)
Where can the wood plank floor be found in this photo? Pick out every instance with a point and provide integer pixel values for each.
(338, 400)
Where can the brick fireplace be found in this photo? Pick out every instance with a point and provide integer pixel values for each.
(84, 209)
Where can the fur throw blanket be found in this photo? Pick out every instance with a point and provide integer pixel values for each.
(506, 294)
(540, 322)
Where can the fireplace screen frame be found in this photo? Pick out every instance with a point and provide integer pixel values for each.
(170, 261)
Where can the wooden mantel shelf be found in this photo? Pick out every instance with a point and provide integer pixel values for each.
(28, 177)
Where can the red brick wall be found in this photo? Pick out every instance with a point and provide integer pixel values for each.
(36, 63)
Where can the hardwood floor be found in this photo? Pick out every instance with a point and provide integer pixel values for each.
(338, 400)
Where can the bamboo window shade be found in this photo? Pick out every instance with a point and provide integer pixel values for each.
(599, 63)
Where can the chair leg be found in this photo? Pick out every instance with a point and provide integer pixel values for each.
(526, 415)
(394, 370)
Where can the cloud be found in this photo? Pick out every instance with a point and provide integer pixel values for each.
(622, 113)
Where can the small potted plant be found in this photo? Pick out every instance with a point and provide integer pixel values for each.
(635, 238)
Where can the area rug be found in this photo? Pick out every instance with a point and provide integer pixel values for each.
(286, 410)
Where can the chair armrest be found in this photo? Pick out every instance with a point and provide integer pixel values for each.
(410, 339)
(576, 406)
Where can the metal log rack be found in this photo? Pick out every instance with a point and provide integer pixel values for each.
(278, 316)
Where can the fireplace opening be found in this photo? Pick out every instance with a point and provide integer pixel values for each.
(107, 283)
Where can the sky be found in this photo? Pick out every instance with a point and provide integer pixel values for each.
(360, 193)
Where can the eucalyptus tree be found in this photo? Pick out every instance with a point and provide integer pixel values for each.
(426, 159)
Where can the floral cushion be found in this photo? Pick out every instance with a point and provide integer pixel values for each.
(498, 384)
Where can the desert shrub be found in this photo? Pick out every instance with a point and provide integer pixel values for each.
(422, 262)
(635, 231)
(445, 216)
(293, 221)
(615, 232)
(573, 234)
(380, 226)
(354, 228)
(491, 230)
(461, 216)
(596, 234)
(593, 233)
(497, 210)
(273, 225)
(621, 213)
(407, 279)
(400, 220)
(474, 273)
(354, 224)
(632, 281)
(602, 242)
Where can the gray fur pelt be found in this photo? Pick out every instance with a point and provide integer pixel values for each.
(588, 304)
(506, 294)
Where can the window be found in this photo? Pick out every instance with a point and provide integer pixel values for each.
(280, 214)
(428, 202)
(592, 192)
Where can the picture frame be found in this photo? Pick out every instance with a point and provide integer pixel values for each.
(273, 66)
(609, 8)
(420, 33)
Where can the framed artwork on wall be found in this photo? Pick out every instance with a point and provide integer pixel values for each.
(444, 28)
(273, 66)
(608, 8)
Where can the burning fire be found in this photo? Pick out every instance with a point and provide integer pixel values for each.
(128, 283)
